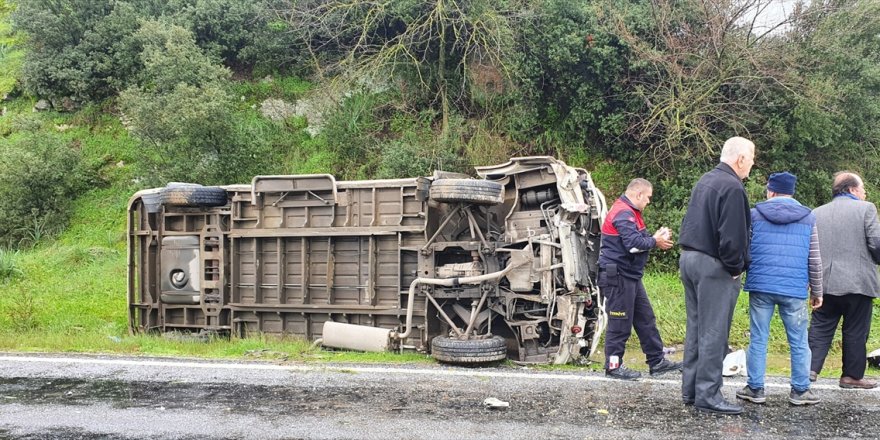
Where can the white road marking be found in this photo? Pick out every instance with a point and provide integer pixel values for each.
(360, 369)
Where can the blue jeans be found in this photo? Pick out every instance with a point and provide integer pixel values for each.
(793, 312)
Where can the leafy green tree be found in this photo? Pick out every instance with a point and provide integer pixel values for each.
(839, 61)
(241, 33)
(823, 120)
(78, 49)
(182, 109)
(571, 75)
(87, 50)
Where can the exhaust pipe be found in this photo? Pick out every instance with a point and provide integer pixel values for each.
(356, 337)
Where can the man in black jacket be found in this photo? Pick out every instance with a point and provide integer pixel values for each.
(714, 240)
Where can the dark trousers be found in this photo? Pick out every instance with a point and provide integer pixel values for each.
(628, 307)
(710, 296)
(856, 312)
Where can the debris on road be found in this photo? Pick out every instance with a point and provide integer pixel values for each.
(493, 403)
(735, 364)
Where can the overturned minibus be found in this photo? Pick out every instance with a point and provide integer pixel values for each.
(469, 270)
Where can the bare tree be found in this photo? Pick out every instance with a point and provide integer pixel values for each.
(707, 71)
(442, 47)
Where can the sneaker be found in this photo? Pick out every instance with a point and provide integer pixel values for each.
(813, 376)
(623, 373)
(752, 395)
(807, 397)
(665, 366)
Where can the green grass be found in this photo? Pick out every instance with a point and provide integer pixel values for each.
(11, 54)
(667, 297)
(287, 88)
(262, 348)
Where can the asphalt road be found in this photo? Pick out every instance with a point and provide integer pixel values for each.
(85, 397)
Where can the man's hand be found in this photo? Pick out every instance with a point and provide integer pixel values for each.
(663, 237)
(815, 302)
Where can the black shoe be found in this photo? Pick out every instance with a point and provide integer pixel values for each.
(623, 373)
(665, 366)
(687, 401)
(724, 407)
(813, 376)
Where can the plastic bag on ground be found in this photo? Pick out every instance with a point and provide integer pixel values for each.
(734, 364)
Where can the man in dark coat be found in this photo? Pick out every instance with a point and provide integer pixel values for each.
(714, 241)
(849, 240)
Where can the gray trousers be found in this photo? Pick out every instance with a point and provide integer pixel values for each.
(710, 297)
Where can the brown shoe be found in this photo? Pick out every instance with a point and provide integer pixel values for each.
(864, 384)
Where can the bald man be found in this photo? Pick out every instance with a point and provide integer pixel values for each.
(714, 241)
(849, 241)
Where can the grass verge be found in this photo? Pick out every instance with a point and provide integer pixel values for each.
(667, 297)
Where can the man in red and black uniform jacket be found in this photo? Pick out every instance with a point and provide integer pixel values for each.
(624, 253)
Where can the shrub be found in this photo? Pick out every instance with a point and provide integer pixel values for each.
(223, 28)
(571, 75)
(9, 265)
(79, 49)
(404, 159)
(182, 110)
(185, 133)
(189, 125)
(40, 174)
(352, 133)
(22, 308)
(88, 50)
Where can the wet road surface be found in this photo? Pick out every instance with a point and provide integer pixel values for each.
(49, 397)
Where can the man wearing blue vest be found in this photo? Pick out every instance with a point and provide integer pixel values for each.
(622, 258)
(785, 262)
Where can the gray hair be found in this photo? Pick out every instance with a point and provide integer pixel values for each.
(844, 181)
(735, 147)
(638, 183)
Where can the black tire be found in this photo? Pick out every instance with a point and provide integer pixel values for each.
(193, 195)
(481, 192)
(469, 351)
